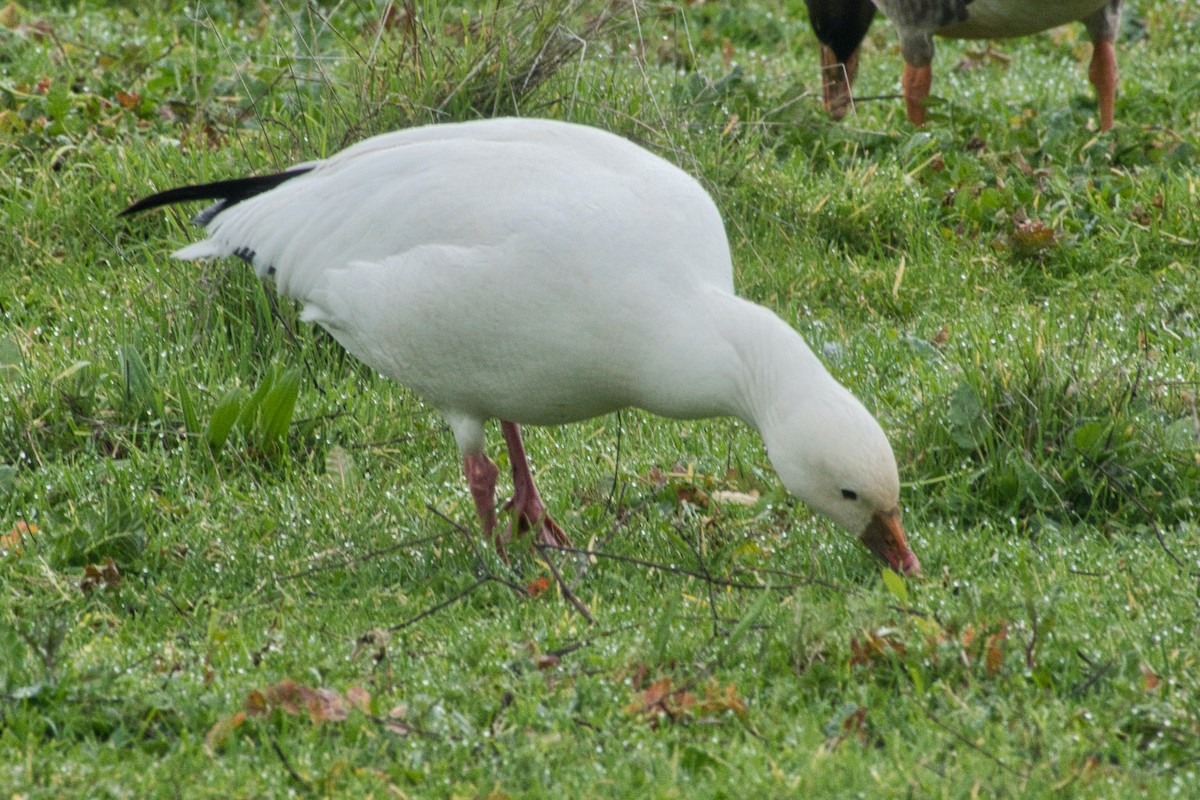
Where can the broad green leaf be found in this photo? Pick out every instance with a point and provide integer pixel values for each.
(1090, 437)
(967, 426)
(895, 585)
(278, 406)
(223, 418)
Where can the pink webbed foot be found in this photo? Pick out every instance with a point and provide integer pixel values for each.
(528, 512)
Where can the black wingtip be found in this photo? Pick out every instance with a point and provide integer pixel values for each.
(230, 192)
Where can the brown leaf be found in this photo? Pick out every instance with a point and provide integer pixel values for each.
(1032, 237)
(1150, 681)
(736, 498)
(660, 699)
(395, 721)
(100, 576)
(11, 542)
(692, 495)
(856, 724)
(547, 661)
(359, 698)
(220, 731)
(653, 694)
(322, 705)
(727, 52)
(288, 696)
(850, 722)
(717, 700)
(377, 638)
(326, 705)
(537, 586)
(976, 58)
(874, 646)
(256, 704)
(993, 650)
(10, 16)
(128, 100)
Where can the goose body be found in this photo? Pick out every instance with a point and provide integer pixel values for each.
(541, 272)
(844, 23)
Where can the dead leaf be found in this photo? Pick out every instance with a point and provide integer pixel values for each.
(322, 705)
(377, 638)
(693, 496)
(718, 699)
(849, 721)
(359, 698)
(256, 703)
(1150, 681)
(993, 650)
(339, 464)
(736, 498)
(1032, 237)
(874, 646)
(855, 725)
(395, 721)
(128, 100)
(660, 699)
(727, 52)
(100, 576)
(10, 16)
(11, 542)
(220, 731)
(326, 705)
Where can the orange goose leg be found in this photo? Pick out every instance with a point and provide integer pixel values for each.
(1103, 73)
(916, 82)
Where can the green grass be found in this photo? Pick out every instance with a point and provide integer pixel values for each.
(1014, 294)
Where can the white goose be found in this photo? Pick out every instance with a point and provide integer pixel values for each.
(541, 272)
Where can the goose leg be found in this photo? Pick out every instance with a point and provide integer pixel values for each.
(916, 83)
(526, 502)
(1103, 73)
(1102, 27)
(481, 478)
(840, 28)
(837, 79)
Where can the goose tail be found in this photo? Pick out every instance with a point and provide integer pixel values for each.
(228, 193)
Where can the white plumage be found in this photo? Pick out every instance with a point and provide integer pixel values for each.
(541, 272)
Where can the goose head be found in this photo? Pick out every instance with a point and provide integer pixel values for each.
(839, 462)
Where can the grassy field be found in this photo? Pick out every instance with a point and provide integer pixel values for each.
(235, 563)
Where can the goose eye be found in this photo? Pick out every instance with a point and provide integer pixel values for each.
(849, 494)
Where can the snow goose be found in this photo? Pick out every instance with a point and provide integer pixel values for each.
(541, 272)
(919, 20)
